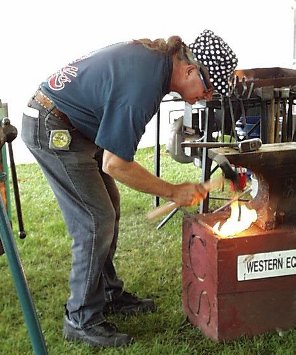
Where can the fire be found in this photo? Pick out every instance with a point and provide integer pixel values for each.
(237, 222)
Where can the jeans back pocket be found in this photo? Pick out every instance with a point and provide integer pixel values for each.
(31, 130)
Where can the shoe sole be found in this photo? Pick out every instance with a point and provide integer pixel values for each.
(73, 335)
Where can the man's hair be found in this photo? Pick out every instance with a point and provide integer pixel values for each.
(173, 46)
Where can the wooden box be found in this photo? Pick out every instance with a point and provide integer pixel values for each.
(235, 286)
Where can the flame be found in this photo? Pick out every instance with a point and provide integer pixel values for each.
(234, 224)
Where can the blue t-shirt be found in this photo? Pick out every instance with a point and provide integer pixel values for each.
(111, 94)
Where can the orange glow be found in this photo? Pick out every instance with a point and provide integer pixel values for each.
(234, 224)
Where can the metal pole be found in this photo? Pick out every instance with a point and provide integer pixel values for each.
(157, 153)
(23, 292)
(3, 114)
(294, 35)
(206, 161)
(22, 233)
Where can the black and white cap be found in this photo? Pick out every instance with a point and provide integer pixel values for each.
(216, 55)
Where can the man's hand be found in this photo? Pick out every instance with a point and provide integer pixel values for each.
(170, 206)
(188, 194)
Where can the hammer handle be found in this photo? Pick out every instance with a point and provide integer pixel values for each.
(170, 206)
(161, 210)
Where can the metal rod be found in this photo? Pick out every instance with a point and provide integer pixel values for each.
(157, 153)
(22, 233)
(208, 227)
(23, 292)
(206, 163)
(198, 144)
(232, 119)
(167, 218)
(290, 120)
(3, 116)
(236, 198)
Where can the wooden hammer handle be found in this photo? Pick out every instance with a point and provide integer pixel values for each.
(161, 210)
(170, 206)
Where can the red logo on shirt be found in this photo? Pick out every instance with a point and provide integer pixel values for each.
(57, 81)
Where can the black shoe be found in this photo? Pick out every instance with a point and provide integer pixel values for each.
(129, 304)
(104, 334)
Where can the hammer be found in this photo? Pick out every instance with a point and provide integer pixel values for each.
(244, 146)
(170, 206)
(247, 145)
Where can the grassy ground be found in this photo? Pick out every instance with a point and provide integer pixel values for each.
(148, 260)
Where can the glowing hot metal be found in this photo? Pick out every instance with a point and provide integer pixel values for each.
(237, 222)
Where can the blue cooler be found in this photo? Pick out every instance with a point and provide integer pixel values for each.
(249, 130)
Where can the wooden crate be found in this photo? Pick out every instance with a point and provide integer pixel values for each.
(235, 286)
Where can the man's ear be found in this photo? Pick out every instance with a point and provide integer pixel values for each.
(189, 69)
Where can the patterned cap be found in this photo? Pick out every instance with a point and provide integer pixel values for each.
(217, 57)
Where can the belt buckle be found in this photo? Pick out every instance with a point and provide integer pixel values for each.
(59, 139)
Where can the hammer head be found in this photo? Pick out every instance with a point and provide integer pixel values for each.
(249, 145)
(225, 166)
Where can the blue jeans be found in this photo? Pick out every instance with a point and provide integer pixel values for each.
(90, 204)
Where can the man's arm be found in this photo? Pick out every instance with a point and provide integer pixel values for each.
(135, 176)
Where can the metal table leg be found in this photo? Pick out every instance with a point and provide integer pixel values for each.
(206, 162)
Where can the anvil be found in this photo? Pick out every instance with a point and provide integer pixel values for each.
(274, 167)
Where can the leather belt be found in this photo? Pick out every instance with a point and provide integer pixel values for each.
(48, 104)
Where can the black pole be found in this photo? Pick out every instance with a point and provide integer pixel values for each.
(22, 233)
(157, 153)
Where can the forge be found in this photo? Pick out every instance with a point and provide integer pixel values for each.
(245, 284)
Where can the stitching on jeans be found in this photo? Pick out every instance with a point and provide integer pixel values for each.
(94, 234)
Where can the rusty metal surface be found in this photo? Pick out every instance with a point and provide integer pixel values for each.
(274, 167)
(213, 299)
(261, 77)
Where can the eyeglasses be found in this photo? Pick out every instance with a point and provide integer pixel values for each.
(204, 76)
(203, 71)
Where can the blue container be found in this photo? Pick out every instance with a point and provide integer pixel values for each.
(252, 130)
(248, 127)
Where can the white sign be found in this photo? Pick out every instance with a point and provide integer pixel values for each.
(265, 265)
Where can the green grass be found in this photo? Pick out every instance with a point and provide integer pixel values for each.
(148, 260)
